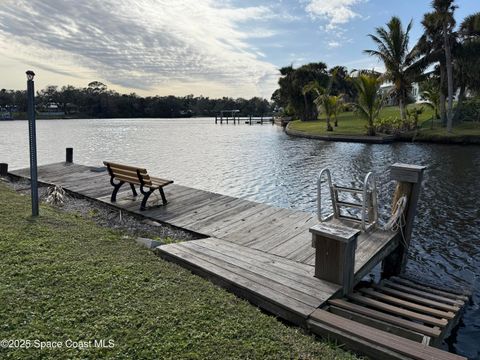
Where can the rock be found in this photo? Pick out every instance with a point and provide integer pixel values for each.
(151, 222)
(148, 243)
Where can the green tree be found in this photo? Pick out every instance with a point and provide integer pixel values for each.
(369, 100)
(337, 105)
(466, 53)
(402, 66)
(430, 92)
(444, 16)
(291, 94)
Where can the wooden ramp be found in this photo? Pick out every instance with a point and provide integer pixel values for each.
(396, 319)
(281, 286)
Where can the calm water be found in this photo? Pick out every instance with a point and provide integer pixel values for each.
(262, 163)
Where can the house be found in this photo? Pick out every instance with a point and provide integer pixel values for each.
(386, 89)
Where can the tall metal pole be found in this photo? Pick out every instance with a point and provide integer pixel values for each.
(32, 140)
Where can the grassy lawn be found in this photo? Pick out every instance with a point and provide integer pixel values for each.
(64, 277)
(350, 124)
(462, 130)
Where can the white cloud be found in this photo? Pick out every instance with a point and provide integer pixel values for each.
(334, 44)
(162, 46)
(335, 12)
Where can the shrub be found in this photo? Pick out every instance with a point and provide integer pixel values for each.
(470, 110)
(389, 125)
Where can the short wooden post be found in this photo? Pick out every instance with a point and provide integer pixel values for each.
(3, 169)
(69, 155)
(409, 183)
(250, 119)
(216, 119)
(335, 254)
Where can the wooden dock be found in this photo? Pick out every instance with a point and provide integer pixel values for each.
(250, 120)
(251, 242)
(261, 253)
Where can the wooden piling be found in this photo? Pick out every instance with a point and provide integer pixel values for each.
(69, 155)
(335, 254)
(409, 183)
(3, 169)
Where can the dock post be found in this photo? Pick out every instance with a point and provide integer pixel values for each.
(335, 247)
(216, 119)
(261, 120)
(69, 155)
(3, 169)
(409, 183)
(250, 120)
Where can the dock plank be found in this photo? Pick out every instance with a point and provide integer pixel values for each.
(260, 252)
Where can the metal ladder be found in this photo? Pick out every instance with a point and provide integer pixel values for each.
(368, 208)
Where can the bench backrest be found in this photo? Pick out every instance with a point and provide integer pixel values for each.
(130, 174)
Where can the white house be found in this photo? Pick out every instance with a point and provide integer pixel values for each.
(386, 90)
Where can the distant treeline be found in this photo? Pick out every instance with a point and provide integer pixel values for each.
(97, 101)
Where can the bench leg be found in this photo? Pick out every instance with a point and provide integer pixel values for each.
(164, 199)
(116, 187)
(146, 195)
(133, 190)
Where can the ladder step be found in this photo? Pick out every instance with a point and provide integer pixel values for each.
(350, 218)
(347, 189)
(348, 204)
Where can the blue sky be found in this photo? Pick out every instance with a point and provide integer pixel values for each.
(205, 47)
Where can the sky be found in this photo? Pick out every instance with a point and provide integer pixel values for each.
(212, 48)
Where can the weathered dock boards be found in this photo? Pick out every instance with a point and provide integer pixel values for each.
(248, 239)
(264, 254)
(395, 319)
(281, 286)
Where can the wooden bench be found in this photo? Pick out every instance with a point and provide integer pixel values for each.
(135, 176)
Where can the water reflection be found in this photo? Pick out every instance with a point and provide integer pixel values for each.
(261, 163)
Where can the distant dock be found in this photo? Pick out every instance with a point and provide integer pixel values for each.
(232, 116)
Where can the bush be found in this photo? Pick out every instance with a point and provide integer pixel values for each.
(470, 110)
(388, 125)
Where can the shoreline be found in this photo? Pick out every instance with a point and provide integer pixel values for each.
(388, 139)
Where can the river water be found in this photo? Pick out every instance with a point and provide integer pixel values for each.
(262, 163)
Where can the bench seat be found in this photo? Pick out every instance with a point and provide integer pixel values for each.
(135, 176)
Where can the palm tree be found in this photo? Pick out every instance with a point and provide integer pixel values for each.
(431, 44)
(322, 100)
(337, 102)
(402, 65)
(327, 103)
(444, 10)
(369, 101)
(431, 95)
(466, 54)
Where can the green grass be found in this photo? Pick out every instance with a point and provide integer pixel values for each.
(63, 277)
(459, 131)
(350, 124)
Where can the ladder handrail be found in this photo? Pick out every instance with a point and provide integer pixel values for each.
(368, 206)
(319, 195)
(369, 178)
